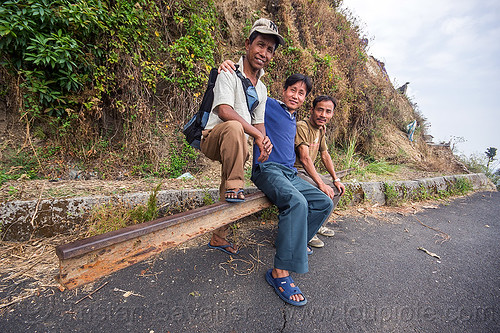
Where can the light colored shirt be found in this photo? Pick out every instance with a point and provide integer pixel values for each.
(228, 90)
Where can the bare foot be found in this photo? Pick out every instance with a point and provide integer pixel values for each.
(234, 194)
(218, 241)
(281, 273)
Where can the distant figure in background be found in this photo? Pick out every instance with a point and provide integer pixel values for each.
(411, 129)
(403, 88)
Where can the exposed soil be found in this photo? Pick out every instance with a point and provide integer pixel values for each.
(208, 177)
(24, 189)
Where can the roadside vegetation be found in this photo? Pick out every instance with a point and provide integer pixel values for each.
(100, 89)
(484, 164)
(105, 86)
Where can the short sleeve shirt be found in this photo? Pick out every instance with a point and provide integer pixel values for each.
(312, 137)
(228, 90)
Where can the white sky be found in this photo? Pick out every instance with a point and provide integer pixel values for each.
(449, 51)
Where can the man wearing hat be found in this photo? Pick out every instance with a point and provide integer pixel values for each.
(236, 114)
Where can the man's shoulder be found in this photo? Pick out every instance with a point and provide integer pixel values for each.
(226, 88)
(303, 126)
(226, 76)
(301, 123)
(272, 101)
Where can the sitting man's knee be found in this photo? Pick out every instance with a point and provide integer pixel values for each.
(233, 130)
(298, 201)
(328, 204)
(234, 125)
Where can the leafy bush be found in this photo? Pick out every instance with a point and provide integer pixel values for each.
(461, 186)
(97, 71)
(46, 44)
(180, 158)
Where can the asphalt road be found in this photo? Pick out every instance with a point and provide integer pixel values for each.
(370, 277)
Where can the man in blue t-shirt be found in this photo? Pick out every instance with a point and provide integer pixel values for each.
(303, 208)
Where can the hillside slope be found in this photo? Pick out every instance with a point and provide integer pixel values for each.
(144, 76)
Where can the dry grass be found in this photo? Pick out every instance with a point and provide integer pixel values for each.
(28, 268)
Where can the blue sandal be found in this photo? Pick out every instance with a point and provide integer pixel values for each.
(288, 290)
(224, 247)
(235, 199)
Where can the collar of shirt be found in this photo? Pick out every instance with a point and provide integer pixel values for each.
(240, 63)
(311, 124)
(283, 105)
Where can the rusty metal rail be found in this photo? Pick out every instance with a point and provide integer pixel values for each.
(89, 259)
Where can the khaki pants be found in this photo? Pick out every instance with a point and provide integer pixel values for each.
(227, 143)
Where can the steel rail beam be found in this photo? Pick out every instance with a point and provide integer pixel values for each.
(89, 259)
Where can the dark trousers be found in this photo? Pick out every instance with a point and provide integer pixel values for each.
(303, 209)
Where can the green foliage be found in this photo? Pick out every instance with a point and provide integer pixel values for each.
(45, 42)
(347, 198)
(60, 47)
(207, 199)
(345, 158)
(391, 195)
(90, 71)
(461, 186)
(180, 158)
(149, 212)
(381, 168)
(480, 164)
(269, 213)
(422, 194)
(20, 164)
(474, 163)
(396, 196)
(194, 50)
(490, 153)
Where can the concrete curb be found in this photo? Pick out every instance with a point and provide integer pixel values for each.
(53, 216)
(414, 189)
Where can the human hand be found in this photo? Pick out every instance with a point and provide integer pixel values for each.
(265, 147)
(327, 190)
(227, 66)
(340, 187)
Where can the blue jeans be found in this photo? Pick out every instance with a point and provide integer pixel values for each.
(303, 209)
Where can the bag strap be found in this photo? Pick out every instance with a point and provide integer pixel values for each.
(245, 82)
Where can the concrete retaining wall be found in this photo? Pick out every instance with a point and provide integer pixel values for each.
(22, 219)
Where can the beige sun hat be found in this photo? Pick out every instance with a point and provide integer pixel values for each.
(267, 27)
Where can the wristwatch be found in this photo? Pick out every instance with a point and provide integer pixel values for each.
(336, 180)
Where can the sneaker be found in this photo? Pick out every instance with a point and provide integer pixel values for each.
(316, 242)
(324, 231)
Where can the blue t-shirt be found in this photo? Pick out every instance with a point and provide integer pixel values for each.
(281, 127)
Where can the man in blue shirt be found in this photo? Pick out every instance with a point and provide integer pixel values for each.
(303, 208)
